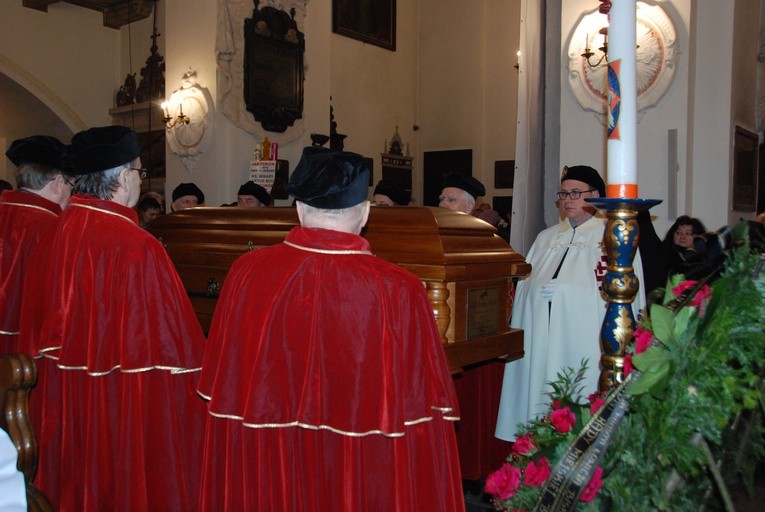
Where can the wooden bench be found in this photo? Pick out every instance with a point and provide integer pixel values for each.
(18, 375)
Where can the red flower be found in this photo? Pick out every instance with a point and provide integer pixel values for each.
(556, 404)
(628, 364)
(537, 474)
(702, 297)
(680, 288)
(643, 339)
(596, 482)
(504, 482)
(597, 404)
(562, 420)
(522, 445)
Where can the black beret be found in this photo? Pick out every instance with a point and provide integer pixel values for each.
(104, 147)
(38, 149)
(329, 179)
(464, 182)
(585, 174)
(394, 190)
(188, 189)
(253, 189)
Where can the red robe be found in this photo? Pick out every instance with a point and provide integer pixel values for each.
(328, 385)
(25, 219)
(123, 426)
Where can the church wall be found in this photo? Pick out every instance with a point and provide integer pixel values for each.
(583, 136)
(65, 57)
(710, 156)
(744, 67)
(452, 75)
(467, 83)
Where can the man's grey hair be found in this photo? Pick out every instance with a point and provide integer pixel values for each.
(102, 184)
(469, 199)
(34, 176)
(343, 219)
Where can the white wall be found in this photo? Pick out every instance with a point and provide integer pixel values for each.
(468, 84)
(452, 74)
(65, 57)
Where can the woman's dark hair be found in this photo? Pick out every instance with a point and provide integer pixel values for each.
(684, 220)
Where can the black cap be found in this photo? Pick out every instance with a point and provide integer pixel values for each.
(253, 189)
(329, 179)
(188, 189)
(465, 182)
(585, 174)
(104, 147)
(394, 190)
(38, 149)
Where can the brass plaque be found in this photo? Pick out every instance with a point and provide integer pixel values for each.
(482, 311)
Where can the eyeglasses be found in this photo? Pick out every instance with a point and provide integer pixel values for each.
(574, 194)
(141, 171)
(66, 180)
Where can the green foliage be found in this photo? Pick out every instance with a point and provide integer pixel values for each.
(701, 375)
(712, 355)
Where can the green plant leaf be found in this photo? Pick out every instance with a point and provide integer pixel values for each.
(653, 360)
(681, 321)
(645, 383)
(663, 322)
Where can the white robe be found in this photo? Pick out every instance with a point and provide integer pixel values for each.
(561, 332)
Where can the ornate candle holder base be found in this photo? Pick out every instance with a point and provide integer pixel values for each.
(620, 284)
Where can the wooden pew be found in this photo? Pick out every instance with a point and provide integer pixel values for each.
(18, 375)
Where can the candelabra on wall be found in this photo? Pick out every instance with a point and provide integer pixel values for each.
(188, 123)
(656, 44)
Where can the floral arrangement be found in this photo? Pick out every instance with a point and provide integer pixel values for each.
(700, 354)
(516, 485)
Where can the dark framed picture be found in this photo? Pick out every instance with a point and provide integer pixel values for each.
(745, 153)
(504, 173)
(370, 21)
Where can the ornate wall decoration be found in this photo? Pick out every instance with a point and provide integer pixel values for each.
(657, 46)
(229, 49)
(189, 140)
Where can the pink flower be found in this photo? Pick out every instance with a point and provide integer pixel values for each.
(702, 298)
(504, 482)
(596, 482)
(537, 474)
(680, 288)
(522, 445)
(643, 339)
(628, 364)
(597, 404)
(562, 420)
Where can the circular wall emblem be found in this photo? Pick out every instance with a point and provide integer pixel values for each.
(656, 48)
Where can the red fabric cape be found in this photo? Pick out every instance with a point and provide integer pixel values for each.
(121, 425)
(328, 385)
(25, 219)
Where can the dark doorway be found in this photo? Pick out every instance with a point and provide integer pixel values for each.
(436, 164)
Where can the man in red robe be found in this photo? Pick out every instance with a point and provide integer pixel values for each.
(328, 385)
(123, 425)
(27, 217)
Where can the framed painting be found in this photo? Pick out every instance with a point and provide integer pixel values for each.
(745, 153)
(370, 21)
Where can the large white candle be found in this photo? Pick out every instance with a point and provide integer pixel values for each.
(622, 100)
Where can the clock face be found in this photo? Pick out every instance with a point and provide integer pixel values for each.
(188, 139)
